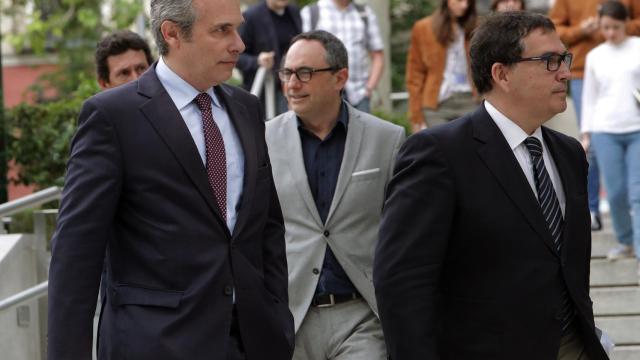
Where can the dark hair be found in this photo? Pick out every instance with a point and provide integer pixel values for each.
(443, 22)
(115, 44)
(499, 40)
(494, 4)
(336, 54)
(614, 9)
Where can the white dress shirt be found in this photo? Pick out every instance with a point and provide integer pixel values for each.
(515, 136)
(182, 94)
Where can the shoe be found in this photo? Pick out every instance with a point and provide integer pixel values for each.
(596, 223)
(620, 251)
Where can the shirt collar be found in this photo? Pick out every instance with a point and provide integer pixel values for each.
(343, 118)
(510, 130)
(180, 91)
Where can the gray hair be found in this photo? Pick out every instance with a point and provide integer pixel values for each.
(336, 54)
(180, 12)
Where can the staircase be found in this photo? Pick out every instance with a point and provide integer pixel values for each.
(616, 296)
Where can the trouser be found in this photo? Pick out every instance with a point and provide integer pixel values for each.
(619, 158)
(235, 349)
(346, 331)
(571, 346)
(593, 176)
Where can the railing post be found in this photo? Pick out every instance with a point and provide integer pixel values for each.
(270, 96)
(42, 257)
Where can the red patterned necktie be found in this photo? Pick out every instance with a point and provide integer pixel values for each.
(216, 155)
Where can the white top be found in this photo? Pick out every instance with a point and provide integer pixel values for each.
(611, 74)
(347, 25)
(455, 71)
(515, 137)
(182, 94)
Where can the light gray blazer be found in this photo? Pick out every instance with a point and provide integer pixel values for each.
(352, 223)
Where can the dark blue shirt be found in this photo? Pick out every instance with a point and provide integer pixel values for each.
(322, 161)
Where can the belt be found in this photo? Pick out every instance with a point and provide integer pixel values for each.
(329, 300)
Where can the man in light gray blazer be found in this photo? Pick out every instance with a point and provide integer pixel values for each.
(331, 164)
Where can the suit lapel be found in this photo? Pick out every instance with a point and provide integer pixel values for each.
(161, 112)
(494, 150)
(239, 118)
(351, 149)
(297, 170)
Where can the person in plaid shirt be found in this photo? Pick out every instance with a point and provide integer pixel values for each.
(357, 27)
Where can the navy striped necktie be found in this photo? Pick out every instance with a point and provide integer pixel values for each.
(552, 214)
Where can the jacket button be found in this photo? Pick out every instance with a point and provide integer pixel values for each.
(326, 233)
(228, 290)
(315, 271)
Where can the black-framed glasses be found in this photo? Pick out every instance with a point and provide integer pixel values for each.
(553, 60)
(303, 74)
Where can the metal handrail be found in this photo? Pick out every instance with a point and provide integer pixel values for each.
(31, 293)
(258, 81)
(396, 96)
(264, 80)
(30, 201)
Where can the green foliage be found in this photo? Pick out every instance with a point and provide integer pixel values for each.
(38, 140)
(70, 29)
(395, 118)
(38, 136)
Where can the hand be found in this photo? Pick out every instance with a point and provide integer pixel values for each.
(417, 127)
(266, 59)
(589, 26)
(369, 91)
(586, 142)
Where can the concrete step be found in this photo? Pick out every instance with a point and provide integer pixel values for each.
(624, 330)
(626, 353)
(613, 273)
(616, 301)
(601, 242)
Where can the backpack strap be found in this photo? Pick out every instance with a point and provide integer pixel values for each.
(314, 11)
(362, 11)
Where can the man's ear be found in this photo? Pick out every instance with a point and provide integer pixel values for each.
(501, 75)
(341, 77)
(103, 84)
(171, 33)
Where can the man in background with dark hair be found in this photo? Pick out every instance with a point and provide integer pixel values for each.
(497, 267)
(121, 57)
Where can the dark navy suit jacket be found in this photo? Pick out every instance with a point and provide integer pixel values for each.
(136, 185)
(259, 35)
(465, 267)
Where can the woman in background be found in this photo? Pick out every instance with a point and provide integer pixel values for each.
(611, 123)
(437, 74)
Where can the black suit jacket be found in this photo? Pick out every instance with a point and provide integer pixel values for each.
(465, 267)
(136, 185)
(259, 35)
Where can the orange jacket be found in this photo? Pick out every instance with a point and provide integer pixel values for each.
(425, 69)
(567, 16)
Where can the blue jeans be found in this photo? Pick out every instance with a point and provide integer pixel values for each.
(593, 177)
(619, 159)
(363, 105)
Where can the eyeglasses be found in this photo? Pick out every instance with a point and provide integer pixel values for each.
(303, 74)
(553, 60)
